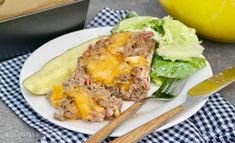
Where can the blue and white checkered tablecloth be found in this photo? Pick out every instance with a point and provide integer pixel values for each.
(214, 123)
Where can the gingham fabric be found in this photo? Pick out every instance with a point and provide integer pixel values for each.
(214, 123)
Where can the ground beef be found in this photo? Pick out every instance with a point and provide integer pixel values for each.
(138, 89)
(137, 44)
(67, 109)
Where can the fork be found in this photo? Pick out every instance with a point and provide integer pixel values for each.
(195, 95)
(168, 91)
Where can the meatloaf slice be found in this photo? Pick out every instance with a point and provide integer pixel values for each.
(114, 69)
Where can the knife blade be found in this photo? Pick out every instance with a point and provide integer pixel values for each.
(195, 95)
(214, 83)
(209, 86)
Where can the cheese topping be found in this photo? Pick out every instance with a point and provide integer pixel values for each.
(83, 100)
(136, 61)
(56, 95)
(104, 68)
(117, 42)
(110, 64)
(85, 103)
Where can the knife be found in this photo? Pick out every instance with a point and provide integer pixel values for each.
(195, 95)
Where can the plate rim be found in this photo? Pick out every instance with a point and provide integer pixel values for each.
(114, 134)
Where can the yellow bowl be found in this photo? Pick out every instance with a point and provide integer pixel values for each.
(213, 19)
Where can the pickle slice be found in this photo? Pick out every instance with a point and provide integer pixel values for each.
(55, 71)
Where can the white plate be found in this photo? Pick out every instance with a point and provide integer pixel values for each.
(146, 113)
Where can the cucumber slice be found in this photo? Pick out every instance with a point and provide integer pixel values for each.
(56, 70)
(132, 24)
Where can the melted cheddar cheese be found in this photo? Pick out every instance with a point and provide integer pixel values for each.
(110, 64)
(83, 100)
(103, 68)
(57, 94)
(136, 61)
(85, 103)
(117, 42)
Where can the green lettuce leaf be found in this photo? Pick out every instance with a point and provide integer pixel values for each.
(131, 14)
(175, 40)
(175, 69)
(178, 41)
(158, 80)
(136, 23)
